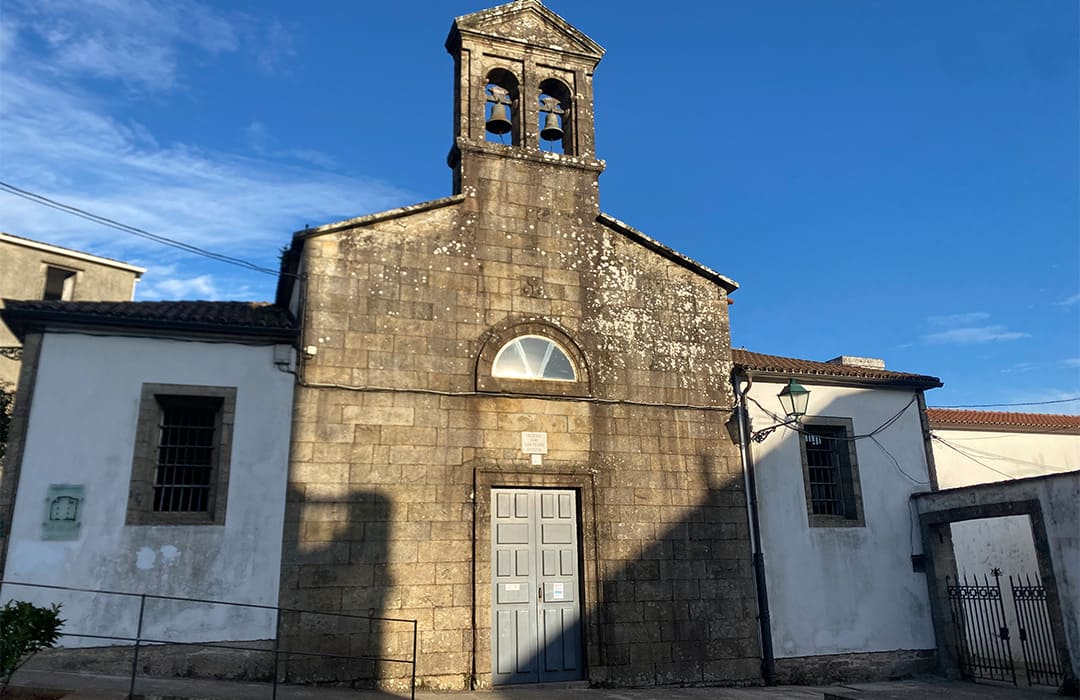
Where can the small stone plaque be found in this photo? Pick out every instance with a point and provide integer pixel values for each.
(534, 443)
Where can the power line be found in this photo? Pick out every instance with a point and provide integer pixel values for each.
(133, 230)
(1002, 405)
(799, 429)
(973, 459)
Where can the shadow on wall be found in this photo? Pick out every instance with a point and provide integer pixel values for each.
(664, 568)
(337, 549)
(683, 611)
(672, 599)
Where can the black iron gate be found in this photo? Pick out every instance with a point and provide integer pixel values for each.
(1041, 660)
(982, 637)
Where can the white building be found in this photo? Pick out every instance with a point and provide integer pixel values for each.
(983, 447)
(847, 596)
(108, 393)
(990, 447)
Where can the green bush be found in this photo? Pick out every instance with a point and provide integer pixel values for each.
(25, 629)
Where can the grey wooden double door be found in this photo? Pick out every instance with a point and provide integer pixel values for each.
(536, 611)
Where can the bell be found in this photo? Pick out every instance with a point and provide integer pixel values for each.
(499, 121)
(551, 131)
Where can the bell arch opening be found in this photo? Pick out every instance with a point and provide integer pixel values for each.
(556, 124)
(502, 118)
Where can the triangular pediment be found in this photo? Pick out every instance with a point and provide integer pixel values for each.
(529, 22)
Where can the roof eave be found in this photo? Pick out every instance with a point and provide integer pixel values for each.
(1006, 428)
(671, 254)
(377, 217)
(22, 322)
(915, 382)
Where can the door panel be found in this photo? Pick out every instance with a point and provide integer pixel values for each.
(537, 614)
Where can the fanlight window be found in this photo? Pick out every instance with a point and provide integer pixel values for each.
(533, 357)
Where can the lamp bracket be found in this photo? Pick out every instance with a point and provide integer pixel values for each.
(760, 435)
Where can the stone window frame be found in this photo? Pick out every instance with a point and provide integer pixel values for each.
(144, 461)
(856, 519)
(499, 337)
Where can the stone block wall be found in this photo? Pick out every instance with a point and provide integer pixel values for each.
(395, 522)
(395, 452)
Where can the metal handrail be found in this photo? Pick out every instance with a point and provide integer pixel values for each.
(139, 640)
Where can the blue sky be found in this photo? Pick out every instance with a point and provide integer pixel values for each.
(883, 178)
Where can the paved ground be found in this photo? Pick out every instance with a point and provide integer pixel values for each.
(101, 687)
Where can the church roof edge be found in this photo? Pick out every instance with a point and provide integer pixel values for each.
(675, 256)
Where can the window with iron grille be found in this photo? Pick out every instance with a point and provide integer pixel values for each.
(181, 465)
(186, 448)
(830, 472)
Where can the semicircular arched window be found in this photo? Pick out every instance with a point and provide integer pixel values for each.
(533, 357)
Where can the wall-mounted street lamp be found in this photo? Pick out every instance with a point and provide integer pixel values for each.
(794, 397)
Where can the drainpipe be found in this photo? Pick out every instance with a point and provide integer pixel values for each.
(768, 660)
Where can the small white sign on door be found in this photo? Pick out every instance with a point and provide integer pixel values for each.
(557, 591)
(534, 443)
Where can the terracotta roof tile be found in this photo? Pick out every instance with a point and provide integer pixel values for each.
(964, 418)
(237, 317)
(758, 362)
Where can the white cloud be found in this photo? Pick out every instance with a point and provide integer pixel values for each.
(263, 143)
(958, 319)
(1070, 301)
(1020, 368)
(137, 42)
(972, 335)
(201, 287)
(275, 48)
(1071, 362)
(966, 329)
(64, 143)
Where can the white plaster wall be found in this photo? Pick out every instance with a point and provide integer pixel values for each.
(81, 431)
(1005, 543)
(835, 590)
(994, 455)
(995, 543)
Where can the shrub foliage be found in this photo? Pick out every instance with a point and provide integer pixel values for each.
(25, 629)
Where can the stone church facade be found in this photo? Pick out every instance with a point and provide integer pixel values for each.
(511, 420)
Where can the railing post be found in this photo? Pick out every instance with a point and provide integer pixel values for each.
(413, 688)
(277, 648)
(135, 654)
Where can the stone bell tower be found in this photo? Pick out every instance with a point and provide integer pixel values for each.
(523, 96)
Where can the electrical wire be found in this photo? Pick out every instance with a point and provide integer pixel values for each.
(875, 431)
(1003, 405)
(897, 463)
(134, 230)
(956, 449)
(1022, 462)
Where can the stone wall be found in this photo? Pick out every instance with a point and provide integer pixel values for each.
(395, 452)
(855, 668)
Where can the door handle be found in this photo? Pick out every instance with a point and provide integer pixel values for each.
(540, 594)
